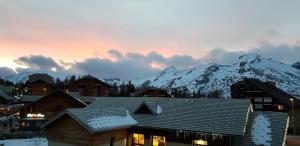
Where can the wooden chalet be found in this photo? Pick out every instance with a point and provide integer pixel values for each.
(5, 102)
(39, 84)
(151, 92)
(89, 86)
(45, 107)
(265, 96)
(147, 121)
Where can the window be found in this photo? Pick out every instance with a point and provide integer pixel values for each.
(138, 139)
(159, 141)
(280, 107)
(200, 142)
(59, 105)
(112, 141)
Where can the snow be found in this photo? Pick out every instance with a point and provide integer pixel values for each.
(159, 110)
(25, 142)
(261, 131)
(104, 122)
(210, 77)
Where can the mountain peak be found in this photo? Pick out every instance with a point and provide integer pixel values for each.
(251, 58)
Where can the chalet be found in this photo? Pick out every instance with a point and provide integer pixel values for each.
(146, 121)
(5, 103)
(39, 84)
(265, 96)
(37, 112)
(88, 86)
(151, 92)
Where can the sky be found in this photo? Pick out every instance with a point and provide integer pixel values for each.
(136, 38)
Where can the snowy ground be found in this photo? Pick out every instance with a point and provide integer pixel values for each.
(25, 142)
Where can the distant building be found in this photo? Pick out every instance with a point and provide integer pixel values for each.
(5, 103)
(265, 96)
(147, 121)
(9, 90)
(41, 108)
(39, 84)
(151, 92)
(88, 86)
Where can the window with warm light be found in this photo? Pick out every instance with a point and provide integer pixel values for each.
(159, 141)
(280, 107)
(138, 139)
(200, 142)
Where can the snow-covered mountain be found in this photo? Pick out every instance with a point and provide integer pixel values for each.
(210, 77)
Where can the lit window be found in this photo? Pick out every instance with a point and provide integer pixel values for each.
(280, 107)
(138, 139)
(200, 142)
(159, 141)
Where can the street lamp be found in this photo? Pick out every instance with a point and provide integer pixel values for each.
(293, 113)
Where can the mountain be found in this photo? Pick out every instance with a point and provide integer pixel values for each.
(210, 77)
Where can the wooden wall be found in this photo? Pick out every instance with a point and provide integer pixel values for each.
(67, 130)
(39, 88)
(52, 104)
(91, 87)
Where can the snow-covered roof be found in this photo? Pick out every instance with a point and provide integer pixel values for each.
(266, 128)
(168, 113)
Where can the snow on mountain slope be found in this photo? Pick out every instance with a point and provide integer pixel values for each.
(210, 77)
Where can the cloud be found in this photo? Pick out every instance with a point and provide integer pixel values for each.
(5, 71)
(221, 56)
(38, 62)
(127, 67)
(284, 53)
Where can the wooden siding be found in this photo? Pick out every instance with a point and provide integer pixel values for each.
(89, 87)
(39, 88)
(103, 139)
(67, 130)
(52, 104)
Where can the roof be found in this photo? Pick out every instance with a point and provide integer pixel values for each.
(85, 115)
(30, 98)
(278, 124)
(5, 96)
(201, 115)
(37, 98)
(8, 89)
(40, 77)
(85, 99)
(88, 77)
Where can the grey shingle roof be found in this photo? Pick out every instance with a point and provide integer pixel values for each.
(204, 115)
(30, 98)
(278, 126)
(5, 96)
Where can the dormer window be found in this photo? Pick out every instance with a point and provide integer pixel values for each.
(143, 109)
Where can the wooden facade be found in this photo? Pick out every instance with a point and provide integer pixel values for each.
(39, 84)
(67, 131)
(89, 86)
(265, 96)
(48, 106)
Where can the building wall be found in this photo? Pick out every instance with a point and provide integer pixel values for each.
(90, 87)
(51, 105)
(297, 121)
(40, 88)
(103, 139)
(67, 131)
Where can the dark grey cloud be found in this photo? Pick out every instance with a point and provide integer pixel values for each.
(39, 62)
(5, 71)
(127, 67)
